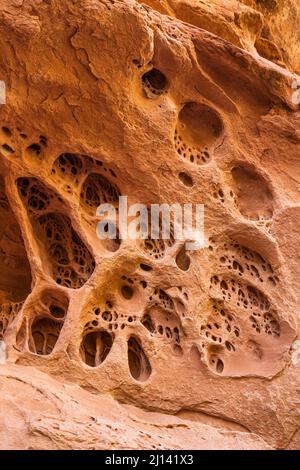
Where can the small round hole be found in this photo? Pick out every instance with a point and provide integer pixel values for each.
(186, 179)
(127, 292)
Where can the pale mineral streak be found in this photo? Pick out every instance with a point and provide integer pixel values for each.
(141, 344)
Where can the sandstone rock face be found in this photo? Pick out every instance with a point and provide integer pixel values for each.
(175, 101)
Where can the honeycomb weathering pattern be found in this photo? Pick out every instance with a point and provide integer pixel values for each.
(173, 110)
(71, 262)
(15, 283)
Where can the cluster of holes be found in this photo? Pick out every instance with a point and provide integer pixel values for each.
(96, 190)
(38, 198)
(243, 261)
(197, 133)
(98, 339)
(219, 195)
(154, 83)
(220, 329)
(157, 248)
(72, 263)
(127, 286)
(87, 178)
(189, 152)
(242, 294)
(109, 318)
(265, 322)
(220, 337)
(69, 166)
(36, 149)
(47, 324)
(160, 298)
(250, 299)
(74, 168)
(10, 138)
(162, 323)
(161, 318)
(222, 334)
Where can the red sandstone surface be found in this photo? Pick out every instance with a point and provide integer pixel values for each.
(141, 344)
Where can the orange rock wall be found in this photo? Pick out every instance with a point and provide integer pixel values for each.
(173, 101)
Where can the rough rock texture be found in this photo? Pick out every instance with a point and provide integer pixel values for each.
(163, 101)
(64, 416)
